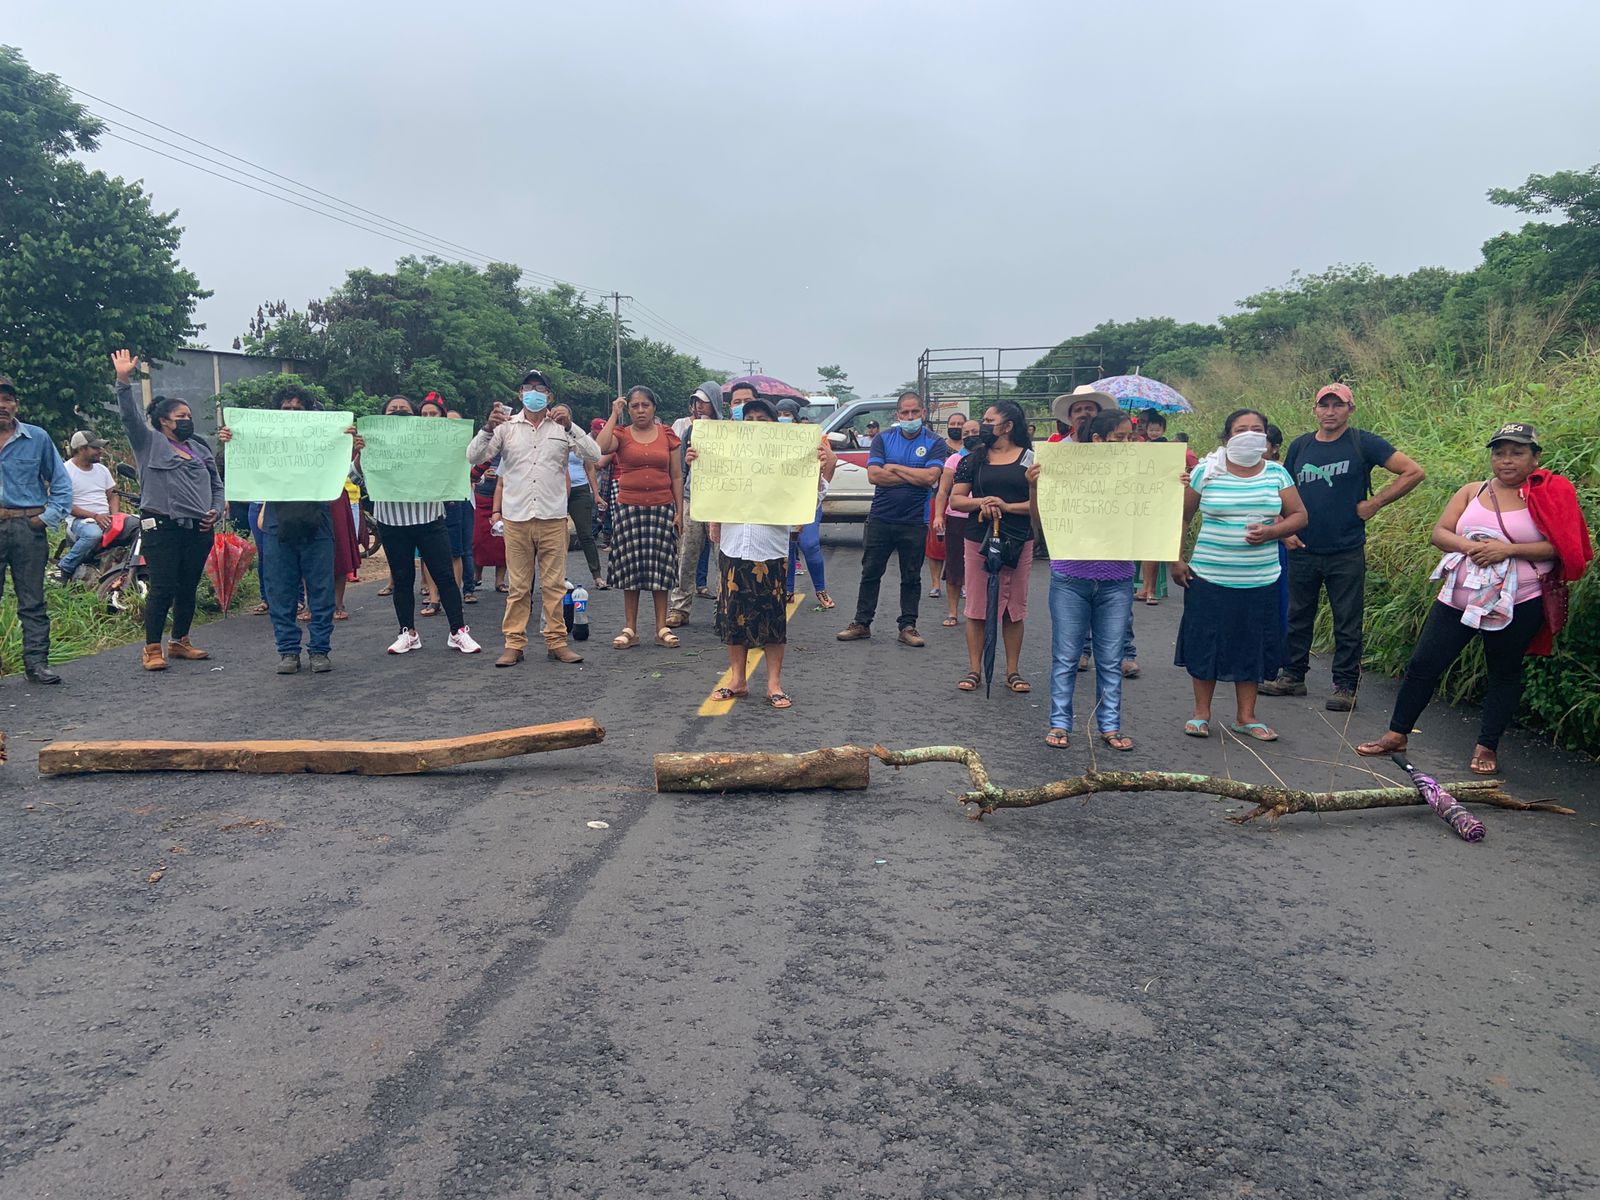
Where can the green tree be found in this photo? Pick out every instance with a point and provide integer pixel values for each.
(268, 391)
(86, 264)
(1149, 345)
(836, 383)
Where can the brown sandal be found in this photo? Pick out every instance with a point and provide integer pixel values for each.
(970, 681)
(1484, 764)
(1017, 683)
(1117, 740)
(1058, 738)
(1379, 749)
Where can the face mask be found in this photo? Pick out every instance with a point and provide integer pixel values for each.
(909, 428)
(955, 433)
(973, 442)
(738, 412)
(786, 420)
(1247, 449)
(534, 401)
(183, 429)
(987, 437)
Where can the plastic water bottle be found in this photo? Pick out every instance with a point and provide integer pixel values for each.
(580, 614)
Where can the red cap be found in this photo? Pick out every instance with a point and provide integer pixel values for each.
(1339, 390)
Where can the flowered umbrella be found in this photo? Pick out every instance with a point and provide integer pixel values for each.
(1136, 393)
(231, 555)
(766, 385)
(1447, 807)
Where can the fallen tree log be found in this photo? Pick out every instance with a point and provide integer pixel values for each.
(316, 757)
(844, 767)
(985, 796)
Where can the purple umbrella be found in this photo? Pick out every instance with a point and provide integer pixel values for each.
(1135, 393)
(1447, 807)
(766, 385)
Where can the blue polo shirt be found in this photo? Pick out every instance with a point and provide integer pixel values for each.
(904, 503)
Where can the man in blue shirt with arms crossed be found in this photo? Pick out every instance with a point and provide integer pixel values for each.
(904, 465)
(35, 492)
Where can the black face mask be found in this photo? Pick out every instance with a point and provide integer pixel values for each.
(183, 429)
(955, 433)
(973, 442)
(988, 438)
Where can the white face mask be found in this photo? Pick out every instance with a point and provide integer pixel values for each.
(1247, 449)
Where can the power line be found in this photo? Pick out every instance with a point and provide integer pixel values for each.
(682, 333)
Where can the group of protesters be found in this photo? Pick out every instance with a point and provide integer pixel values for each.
(1277, 528)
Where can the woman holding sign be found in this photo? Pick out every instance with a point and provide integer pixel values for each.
(180, 495)
(992, 489)
(1230, 628)
(649, 512)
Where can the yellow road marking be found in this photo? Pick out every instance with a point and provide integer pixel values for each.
(720, 708)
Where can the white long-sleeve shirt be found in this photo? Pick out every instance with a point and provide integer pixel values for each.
(533, 464)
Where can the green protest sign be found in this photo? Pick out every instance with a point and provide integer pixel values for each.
(273, 455)
(415, 459)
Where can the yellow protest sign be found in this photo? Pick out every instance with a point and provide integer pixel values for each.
(1113, 500)
(757, 472)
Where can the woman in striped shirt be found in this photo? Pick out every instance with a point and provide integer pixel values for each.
(1230, 628)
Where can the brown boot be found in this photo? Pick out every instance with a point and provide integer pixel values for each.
(180, 648)
(564, 654)
(508, 658)
(153, 658)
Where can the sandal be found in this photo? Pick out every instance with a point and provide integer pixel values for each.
(934, 593)
(626, 640)
(1199, 727)
(339, 614)
(1058, 738)
(386, 590)
(499, 587)
(469, 598)
(600, 585)
(970, 681)
(949, 622)
(1117, 741)
(1153, 601)
(1255, 729)
(824, 601)
(429, 609)
(1484, 764)
(779, 700)
(1381, 748)
(728, 693)
(303, 615)
(1017, 683)
(665, 637)
(1140, 597)
(259, 610)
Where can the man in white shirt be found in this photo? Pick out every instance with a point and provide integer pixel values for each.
(532, 447)
(94, 500)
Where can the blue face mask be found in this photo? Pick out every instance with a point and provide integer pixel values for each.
(909, 428)
(786, 420)
(534, 401)
(738, 412)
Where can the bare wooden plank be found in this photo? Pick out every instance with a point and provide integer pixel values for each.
(316, 757)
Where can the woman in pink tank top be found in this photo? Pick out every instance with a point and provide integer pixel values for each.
(1487, 536)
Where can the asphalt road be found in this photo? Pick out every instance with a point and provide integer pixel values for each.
(452, 986)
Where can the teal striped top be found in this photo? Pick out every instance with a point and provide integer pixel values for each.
(1228, 504)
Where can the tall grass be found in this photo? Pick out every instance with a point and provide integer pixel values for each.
(1442, 416)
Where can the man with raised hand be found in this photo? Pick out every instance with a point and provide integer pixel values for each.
(1332, 470)
(903, 466)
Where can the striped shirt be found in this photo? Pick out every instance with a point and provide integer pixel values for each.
(406, 512)
(1228, 504)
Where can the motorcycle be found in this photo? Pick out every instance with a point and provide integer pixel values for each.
(116, 568)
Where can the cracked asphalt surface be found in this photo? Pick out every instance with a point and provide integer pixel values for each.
(450, 986)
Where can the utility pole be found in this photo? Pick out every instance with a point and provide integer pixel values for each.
(752, 365)
(616, 332)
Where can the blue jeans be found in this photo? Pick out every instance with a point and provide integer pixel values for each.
(1082, 608)
(1130, 652)
(287, 566)
(811, 546)
(702, 566)
(86, 536)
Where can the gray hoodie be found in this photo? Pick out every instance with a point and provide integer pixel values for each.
(711, 390)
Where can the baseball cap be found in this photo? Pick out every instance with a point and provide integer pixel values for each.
(6, 385)
(84, 438)
(1516, 431)
(764, 404)
(537, 377)
(596, 425)
(1336, 389)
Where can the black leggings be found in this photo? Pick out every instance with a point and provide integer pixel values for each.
(176, 558)
(1443, 639)
(401, 544)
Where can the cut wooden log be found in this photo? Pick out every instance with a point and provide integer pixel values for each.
(316, 757)
(842, 767)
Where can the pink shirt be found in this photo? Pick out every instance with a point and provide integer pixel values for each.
(1520, 528)
(950, 464)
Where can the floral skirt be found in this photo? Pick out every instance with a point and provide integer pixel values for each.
(753, 607)
(644, 548)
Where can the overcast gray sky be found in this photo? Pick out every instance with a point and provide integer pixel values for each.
(832, 181)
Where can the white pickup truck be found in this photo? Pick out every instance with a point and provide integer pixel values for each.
(850, 495)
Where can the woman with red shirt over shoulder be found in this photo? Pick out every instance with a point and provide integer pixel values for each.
(648, 514)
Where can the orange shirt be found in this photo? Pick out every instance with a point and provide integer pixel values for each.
(644, 469)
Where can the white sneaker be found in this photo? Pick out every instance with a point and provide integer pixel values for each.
(408, 640)
(461, 640)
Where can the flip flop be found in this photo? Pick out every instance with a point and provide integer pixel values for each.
(727, 693)
(1379, 750)
(1112, 740)
(779, 700)
(1484, 766)
(1255, 729)
(1197, 727)
(339, 614)
(1058, 739)
(949, 622)
(388, 590)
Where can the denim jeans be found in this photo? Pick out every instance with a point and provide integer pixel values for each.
(287, 566)
(809, 544)
(1130, 652)
(1080, 607)
(86, 536)
(702, 568)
